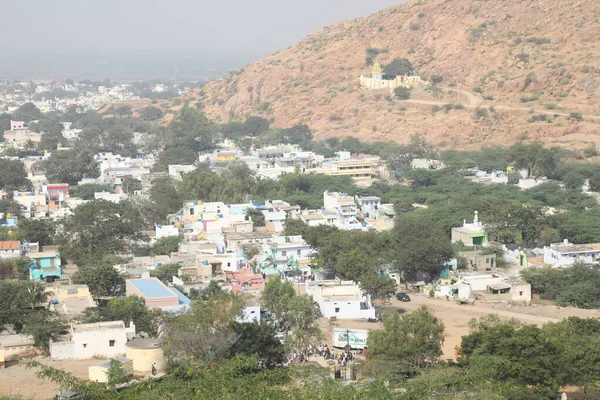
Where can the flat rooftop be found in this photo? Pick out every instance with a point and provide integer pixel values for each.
(152, 288)
(98, 326)
(578, 248)
(143, 343)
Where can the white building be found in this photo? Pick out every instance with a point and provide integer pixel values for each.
(290, 251)
(345, 207)
(100, 339)
(566, 253)
(369, 205)
(250, 314)
(166, 231)
(342, 300)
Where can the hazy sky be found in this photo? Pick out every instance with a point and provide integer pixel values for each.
(223, 26)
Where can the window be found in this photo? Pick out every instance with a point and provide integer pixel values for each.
(298, 252)
(84, 345)
(487, 260)
(337, 309)
(520, 293)
(111, 343)
(284, 253)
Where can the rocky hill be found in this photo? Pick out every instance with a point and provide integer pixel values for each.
(533, 64)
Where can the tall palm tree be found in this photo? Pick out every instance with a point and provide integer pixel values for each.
(36, 293)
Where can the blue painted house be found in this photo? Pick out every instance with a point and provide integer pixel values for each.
(45, 265)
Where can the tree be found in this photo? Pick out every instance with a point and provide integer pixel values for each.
(70, 166)
(421, 246)
(407, 343)
(151, 113)
(130, 185)
(191, 128)
(206, 332)
(36, 294)
(126, 309)
(123, 111)
(212, 290)
(179, 155)
(435, 79)
(116, 374)
(255, 126)
(403, 93)
(87, 191)
(41, 231)
(7, 269)
(595, 182)
(52, 131)
(377, 286)
(258, 340)
(166, 198)
(166, 272)
(257, 217)
(43, 326)
(573, 180)
(13, 175)
(538, 160)
(102, 280)
(398, 67)
(250, 250)
(97, 229)
(27, 112)
(277, 295)
(421, 178)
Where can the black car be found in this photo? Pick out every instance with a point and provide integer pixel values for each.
(402, 297)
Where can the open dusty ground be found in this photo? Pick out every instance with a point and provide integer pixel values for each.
(456, 317)
(25, 383)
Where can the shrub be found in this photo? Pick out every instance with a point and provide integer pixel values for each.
(402, 93)
(576, 115)
(435, 79)
(590, 151)
(414, 26)
(477, 89)
(481, 113)
(539, 41)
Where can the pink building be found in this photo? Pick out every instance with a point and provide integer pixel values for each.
(245, 281)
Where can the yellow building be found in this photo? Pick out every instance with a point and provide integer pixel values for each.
(144, 353)
(225, 155)
(99, 372)
(355, 168)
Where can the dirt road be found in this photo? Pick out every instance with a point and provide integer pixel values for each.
(25, 383)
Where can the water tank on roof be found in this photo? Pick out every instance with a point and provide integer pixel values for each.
(159, 226)
(195, 203)
(205, 262)
(220, 215)
(158, 265)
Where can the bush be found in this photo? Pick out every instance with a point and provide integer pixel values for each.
(576, 115)
(539, 41)
(402, 93)
(435, 79)
(414, 26)
(477, 89)
(481, 113)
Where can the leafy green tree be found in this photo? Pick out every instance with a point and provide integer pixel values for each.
(13, 175)
(165, 197)
(52, 131)
(398, 67)
(86, 191)
(250, 250)
(165, 245)
(44, 326)
(116, 374)
(99, 228)
(377, 286)
(191, 128)
(257, 217)
(179, 155)
(130, 185)
(70, 166)
(123, 111)
(212, 290)
(595, 182)
(255, 126)
(166, 272)
(573, 180)
(407, 344)
(102, 280)
(421, 178)
(403, 93)
(206, 332)
(421, 246)
(538, 160)
(27, 112)
(126, 309)
(258, 340)
(277, 295)
(151, 113)
(7, 269)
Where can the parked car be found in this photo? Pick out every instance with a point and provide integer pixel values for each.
(402, 297)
